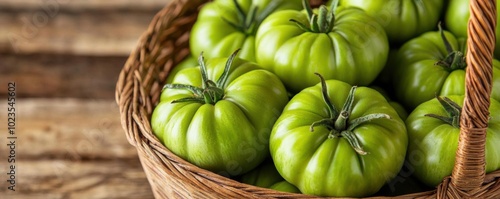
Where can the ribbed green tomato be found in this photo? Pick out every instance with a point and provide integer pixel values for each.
(285, 187)
(223, 26)
(351, 152)
(433, 142)
(223, 125)
(340, 43)
(266, 176)
(402, 19)
(426, 66)
(188, 62)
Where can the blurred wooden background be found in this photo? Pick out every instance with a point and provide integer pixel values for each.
(80, 44)
(65, 57)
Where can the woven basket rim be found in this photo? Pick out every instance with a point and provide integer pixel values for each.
(135, 102)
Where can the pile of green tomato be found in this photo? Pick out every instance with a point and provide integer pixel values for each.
(352, 98)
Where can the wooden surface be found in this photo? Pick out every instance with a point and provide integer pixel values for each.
(71, 148)
(65, 57)
(75, 27)
(61, 75)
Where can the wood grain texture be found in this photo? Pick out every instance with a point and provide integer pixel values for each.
(64, 179)
(61, 75)
(69, 129)
(71, 148)
(74, 27)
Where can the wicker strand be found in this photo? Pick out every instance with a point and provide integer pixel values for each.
(469, 170)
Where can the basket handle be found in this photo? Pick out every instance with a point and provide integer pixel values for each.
(469, 170)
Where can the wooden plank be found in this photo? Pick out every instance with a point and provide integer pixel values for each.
(74, 30)
(58, 179)
(67, 129)
(69, 148)
(61, 75)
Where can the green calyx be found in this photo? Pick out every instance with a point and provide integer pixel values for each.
(248, 23)
(452, 109)
(211, 92)
(338, 121)
(318, 23)
(455, 60)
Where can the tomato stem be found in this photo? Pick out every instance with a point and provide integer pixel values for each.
(337, 122)
(331, 108)
(334, 5)
(308, 8)
(319, 23)
(324, 122)
(195, 90)
(211, 92)
(203, 70)
(222, 81)
(270, 8)
(455, 60)
(248, 23)
(452, 109)
(354, 142)
(358, 121)
(341, 122)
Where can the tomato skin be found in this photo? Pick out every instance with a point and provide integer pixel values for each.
(229, 137)
(265, 175)
(285, 187)
(345, 53)
(417, 78)
(188, 62)
(402, 19)
(456, 19)
(433, 143)
(319, 165)
(218, 38)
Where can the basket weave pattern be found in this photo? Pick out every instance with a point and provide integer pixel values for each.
(166, 42)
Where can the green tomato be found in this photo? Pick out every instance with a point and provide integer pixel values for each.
(221, 126)
(457, 17)
(188, 62)
(426, 68)
(351, 152)
(223, 26)
(402, 19)
(340, 43)
(403, 114)
(265, 175)
(433, 142)
(285, 187)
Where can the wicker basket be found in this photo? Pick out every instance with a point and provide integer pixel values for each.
(165, 43)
